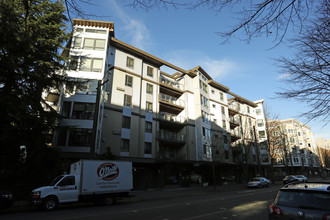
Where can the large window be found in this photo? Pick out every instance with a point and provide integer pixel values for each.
(149, 88)
(262, 134)
(94, 44)
(204, 101)
(148, 127)
(124, 145)
(149, 106)
(223, 110)
(264, 158)
(83, 110)
(206, 133)
(221, 96)
(147, 148)
(80, 137)
(126, 122)
(91, 64)
(205, 117)
(130, 62)
(77, 43)
(127, 100)
(97, 31)
(73, 64)
(203, 86)
(128, 81)
(66, 109)
(150, 71)
(260, 122)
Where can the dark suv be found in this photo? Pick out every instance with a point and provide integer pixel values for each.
(302, 201)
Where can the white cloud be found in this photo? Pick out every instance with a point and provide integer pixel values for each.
(188, 59)
(283, 76)
(136, 31)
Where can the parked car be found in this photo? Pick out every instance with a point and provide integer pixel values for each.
(258, 182)
(301, 201)
(290, 179)
(6, 199)
(302, 178)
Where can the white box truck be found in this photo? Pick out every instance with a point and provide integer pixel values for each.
(89, 180)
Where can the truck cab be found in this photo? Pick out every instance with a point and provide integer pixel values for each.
(64, 188)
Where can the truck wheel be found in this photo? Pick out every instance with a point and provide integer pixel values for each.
(50, 203)
(109, 200)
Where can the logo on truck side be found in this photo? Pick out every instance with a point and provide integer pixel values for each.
(108, 171)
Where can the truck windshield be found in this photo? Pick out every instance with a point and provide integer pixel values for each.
(56, 180)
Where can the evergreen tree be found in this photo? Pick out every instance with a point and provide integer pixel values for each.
(31, 39)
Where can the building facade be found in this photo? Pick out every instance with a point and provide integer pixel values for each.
(293, 148)
(175, 128)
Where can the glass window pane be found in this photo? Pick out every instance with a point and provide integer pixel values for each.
(88, 43)
(86, 64)
(77, 42)
(97, 65)
(99, 44)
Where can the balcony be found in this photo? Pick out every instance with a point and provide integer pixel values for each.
(171, 118)
(169, 87)
(170, 104)
(233, 122)
(233, 109)
(171, 137)
(167, 155)
(235, 135)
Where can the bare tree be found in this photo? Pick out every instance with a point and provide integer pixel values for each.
(273, 18)
(308, 72)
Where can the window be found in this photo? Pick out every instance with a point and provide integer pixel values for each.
(206, 133)
(150, 71)
(127, 100)
(67, 181)
(295, 160)
(126, 123)
(204, 101)
(130, 62)
(91, 64)
(97, 31)
(149, 106)
(221, 96)
(77, 42)
(205, 117)
(62, 134)
(250, 122)
(66, 109)
(212, 91)
(258, 111)
(149, 88)
(254, 158)
(124, 147)
(260, 122)
(148, 127)
(203, 86)
(147, 148)
(213, 105)
(83, 110)
(264, 158)
(223, 110)
(128, 81)
(224, 126)
(225, 139)
(94, 44)
(79, 29)
(262, 134)
(80, 137)
(248, 109)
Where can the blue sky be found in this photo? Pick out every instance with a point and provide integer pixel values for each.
(187, 38)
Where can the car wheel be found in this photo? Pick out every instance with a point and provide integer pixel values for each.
(50, 203)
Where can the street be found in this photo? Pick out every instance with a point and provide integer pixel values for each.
(240, 204)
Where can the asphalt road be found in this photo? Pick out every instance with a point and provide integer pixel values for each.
(240, 204)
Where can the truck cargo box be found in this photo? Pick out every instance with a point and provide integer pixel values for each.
(101, 177)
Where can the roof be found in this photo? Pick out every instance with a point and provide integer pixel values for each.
(242, 100)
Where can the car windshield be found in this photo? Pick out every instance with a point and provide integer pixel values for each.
(308, 200)
(256, 179)
(56, 180)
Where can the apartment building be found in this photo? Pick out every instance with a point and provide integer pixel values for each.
(173, 127)
(294, 148)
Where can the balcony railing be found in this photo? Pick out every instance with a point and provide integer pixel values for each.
(171, 136)
(234, 107)
(171, 100)
(235, 133)
(234, 120)
(170, 83)
(171, 117)
(171, 155)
